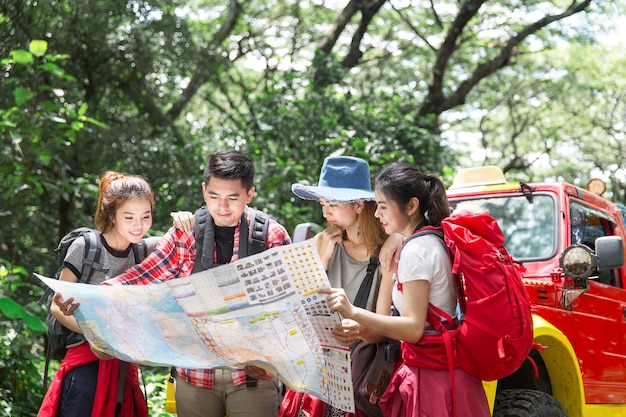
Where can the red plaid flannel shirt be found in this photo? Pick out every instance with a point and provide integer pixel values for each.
(174, 258)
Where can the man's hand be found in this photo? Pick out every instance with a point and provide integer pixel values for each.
(257, 372)
(183, 220)
(67, 307)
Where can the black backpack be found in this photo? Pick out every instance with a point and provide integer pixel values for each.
(251, 241)
(59, 337)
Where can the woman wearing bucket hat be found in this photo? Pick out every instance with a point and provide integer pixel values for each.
(347, 247)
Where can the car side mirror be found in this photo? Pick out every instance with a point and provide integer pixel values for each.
(610, 252)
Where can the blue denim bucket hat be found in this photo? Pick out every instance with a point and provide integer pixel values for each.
(344, 179)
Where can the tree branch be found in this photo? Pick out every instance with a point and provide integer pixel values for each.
(203, 74)
(504, 58)
(368, 12)
(352, 58)
(410, 24)
(435, 96)
(342, 21)
(436, 101)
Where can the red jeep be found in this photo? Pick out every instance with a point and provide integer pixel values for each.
(568, 242)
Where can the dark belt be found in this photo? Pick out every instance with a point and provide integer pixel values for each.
(250, 382)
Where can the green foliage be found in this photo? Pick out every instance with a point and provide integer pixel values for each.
(536, 132)
(39, 129)
(14, 311)
(12, 284)
(20, 370)
(154, 380)
(296, 130)
(20, 346)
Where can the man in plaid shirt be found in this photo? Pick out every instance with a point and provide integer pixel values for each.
(227, 190)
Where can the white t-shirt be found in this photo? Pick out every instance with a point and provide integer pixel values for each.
(426, 258)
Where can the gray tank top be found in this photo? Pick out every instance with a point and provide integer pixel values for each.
(347, 273)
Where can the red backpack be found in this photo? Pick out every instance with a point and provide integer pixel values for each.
(495, 333)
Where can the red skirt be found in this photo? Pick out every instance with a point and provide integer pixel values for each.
(105, 401)
(422, 392)
(297, 403)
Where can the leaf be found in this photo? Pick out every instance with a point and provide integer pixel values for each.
(12, 310)
(38, 47)
(20, 56)
(50, 106)
(97, 122)
(53, 69)
(76, 126)
(56, 57)
(57, 71)
(22, 95)
(45, 156)
(82, 110)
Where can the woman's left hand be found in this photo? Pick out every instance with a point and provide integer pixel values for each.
(347, 332)
(67, 307)
(390, 251)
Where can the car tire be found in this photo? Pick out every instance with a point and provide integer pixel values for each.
(527, 403)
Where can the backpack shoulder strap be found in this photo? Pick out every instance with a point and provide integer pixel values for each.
(140, 251)
(91, 257)
(428, 230)
(454, 258)
(253, 237)
(93, 253)
(364, 289)
(204, 232)
(257, 237)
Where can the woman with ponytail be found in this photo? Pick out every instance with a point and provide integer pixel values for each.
(86, 383)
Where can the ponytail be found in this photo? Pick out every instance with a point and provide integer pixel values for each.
(438, 209)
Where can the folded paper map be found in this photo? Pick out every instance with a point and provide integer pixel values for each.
(262, 310)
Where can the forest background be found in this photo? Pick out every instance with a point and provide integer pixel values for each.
(153, 87)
